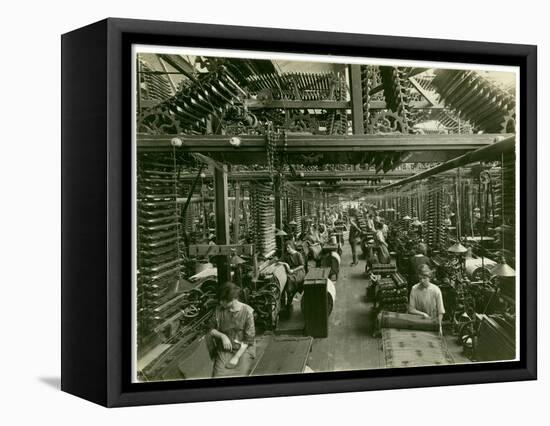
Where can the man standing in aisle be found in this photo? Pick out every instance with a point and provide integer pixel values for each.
(354, 236)
(426, 299)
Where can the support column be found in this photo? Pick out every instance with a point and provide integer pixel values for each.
(278, 213)
(222, 222)
(458, 207)
(302, 208)
(204, 209)
(356, 91)
(237, 214)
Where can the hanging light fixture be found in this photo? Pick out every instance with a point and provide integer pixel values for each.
(501, 269)
(416, 222)
(406, 217)
(236, 260)
(457, 248)
(280, 233)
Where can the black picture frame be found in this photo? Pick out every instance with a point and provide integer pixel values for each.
(96, 207)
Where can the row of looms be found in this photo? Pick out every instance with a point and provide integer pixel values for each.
(236, 156)
(467, 220)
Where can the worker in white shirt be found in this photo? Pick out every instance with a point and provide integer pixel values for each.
(426, 299)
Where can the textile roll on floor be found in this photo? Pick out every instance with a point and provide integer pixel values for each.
(406, 321)
(411, 348)
(412, 341)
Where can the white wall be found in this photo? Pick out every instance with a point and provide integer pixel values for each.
(30, 191)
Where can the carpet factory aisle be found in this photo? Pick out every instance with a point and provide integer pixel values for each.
(350, 345)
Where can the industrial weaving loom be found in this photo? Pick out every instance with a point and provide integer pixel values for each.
(159, 261)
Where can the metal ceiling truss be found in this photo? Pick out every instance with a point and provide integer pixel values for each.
(309, 112)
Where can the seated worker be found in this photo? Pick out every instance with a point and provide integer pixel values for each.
(371, 257)
(323, 233)
(293, 230)
(333, 217)
(313, 238)
(385, 229)
(293, 262)
(232, 334)
(381, 244)
(426, 299)
(370, 222)
(415, 228)
(355, 234)
(419, 259)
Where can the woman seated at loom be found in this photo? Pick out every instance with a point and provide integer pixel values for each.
(232, 331)
(381, 244)
(313, 240)
(293, 262)
(313, 236)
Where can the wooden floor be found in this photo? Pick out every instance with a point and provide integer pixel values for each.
(350, 345)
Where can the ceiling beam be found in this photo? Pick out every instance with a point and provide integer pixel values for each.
(254, 104)
(311, 175)
(349, 184)
(294, 143)
(294, 104)
(487, 153)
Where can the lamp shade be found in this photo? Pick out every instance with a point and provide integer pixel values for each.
(406, 217)
(237, 260)
(457, 248)
(416, 222)
(280, 233)
(501, 269)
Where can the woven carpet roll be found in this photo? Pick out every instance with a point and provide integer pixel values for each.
(409, 348)
(406, 321)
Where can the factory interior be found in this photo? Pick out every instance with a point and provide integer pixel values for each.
(325, 193)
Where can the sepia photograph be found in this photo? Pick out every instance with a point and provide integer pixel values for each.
(299, 213)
